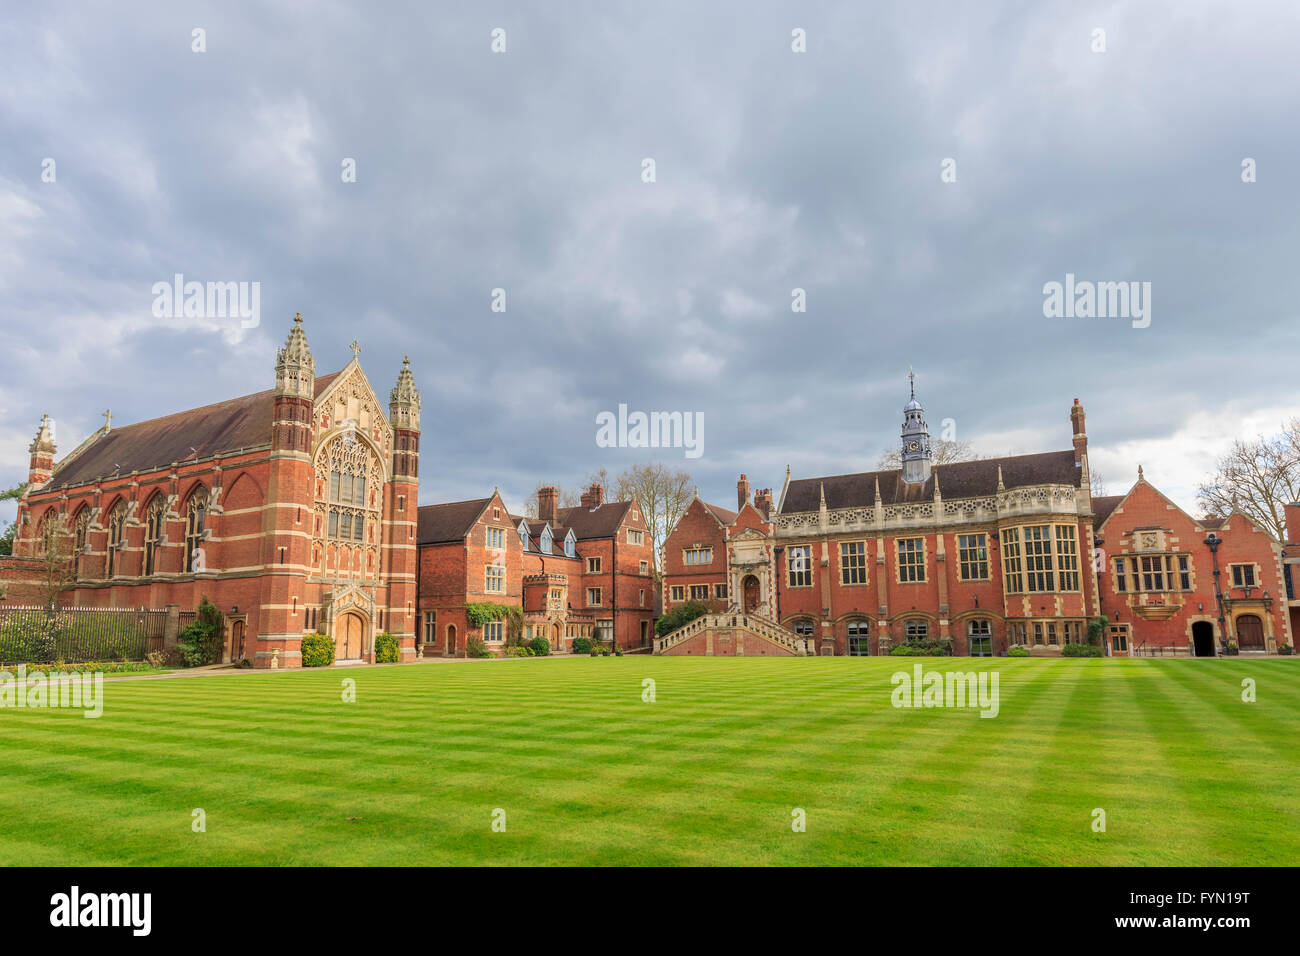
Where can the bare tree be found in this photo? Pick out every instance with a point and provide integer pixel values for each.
(1097, 484)
(54, 550)
(664, 495)
(1258, 478)
(942, 452)
(564, 499)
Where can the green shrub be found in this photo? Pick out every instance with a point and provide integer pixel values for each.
(582, 645)
(475, 647)
(200, 642)
(1285, 650)
(388, 650)
(1080, 650)
(1017, 651)
(519, 650)
(682, 614)
(539, 645)
(317, 650)
(900, 650)
(932, 647)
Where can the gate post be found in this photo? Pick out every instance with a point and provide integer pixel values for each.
(172, 627)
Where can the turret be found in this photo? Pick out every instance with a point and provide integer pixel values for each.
(41, 466)
(295, 392)
(404, 414)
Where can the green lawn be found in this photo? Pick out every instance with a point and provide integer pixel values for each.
(707, 774)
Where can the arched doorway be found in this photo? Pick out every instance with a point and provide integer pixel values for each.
(1250, 633)
(749, 587)
(451, 640)
(349, 637)
(1203, 638)
(555, 637)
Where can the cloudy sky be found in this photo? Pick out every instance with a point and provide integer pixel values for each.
(774, 170)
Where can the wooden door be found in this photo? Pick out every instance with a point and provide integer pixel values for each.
(1250, 633)
(347, 644)
(751, 594)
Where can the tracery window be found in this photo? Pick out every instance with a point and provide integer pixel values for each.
(116, 537)
(349, 481)
(196, 516)
(153, 524)
(80, 529)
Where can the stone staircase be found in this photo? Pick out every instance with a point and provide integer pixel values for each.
(733, 634)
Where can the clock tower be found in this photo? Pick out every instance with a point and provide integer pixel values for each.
(916, 440)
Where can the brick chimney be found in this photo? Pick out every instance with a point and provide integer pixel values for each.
(547, 499)
(742, 493)
(1080, 436)
(1292, 511)
(763, 502)
(593, 497)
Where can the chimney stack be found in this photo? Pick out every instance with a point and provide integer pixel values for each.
(763, 502)
(742, 493)
(547, 498)
(1080, 436)
(1292, 511)
(593, 497)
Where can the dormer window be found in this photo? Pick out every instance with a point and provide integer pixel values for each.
(546, 541)
(571, 545)
(523, 534)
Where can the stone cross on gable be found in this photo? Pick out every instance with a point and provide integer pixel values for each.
(108, 418)
(356, 349)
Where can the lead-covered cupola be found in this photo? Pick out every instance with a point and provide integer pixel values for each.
(916, 439)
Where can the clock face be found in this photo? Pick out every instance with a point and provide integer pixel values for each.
(913, 445)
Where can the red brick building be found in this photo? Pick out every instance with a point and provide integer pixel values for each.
(982, 555)
(574, 572)
(1175, 583)
(293, 510)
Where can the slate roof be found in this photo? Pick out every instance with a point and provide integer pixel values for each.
(222, 428)
(1103, 507)
(963, 479)
(599, 522)
(450, 521)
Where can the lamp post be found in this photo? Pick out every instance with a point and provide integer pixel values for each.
(1212, 542)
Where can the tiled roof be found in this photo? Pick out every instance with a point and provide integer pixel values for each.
(599, 522)
(450, 521)
(222, 428)
(963, 479)
(722, 514)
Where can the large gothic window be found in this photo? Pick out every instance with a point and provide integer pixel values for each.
(349, 483)
(116, 537)
(153, 525)
(196, 516)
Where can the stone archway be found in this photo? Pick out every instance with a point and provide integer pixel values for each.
(750, 593)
